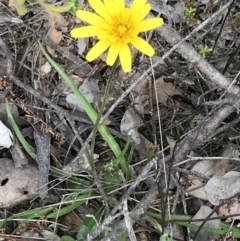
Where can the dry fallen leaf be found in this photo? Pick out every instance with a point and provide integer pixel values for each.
(63, 88)
(81, 44)
(56, 36)
(224, 187)
(203, 213)
(82, 164)
(197, 189)
(45, 68)
(131, 120)
(17, 184)
(231, 207)
(39, 235)
(164, 90)
(143, 87)
(205, 167)
(72, 221)
(210, 168)
(91, 92)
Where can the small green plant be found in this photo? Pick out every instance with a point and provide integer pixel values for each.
(110, 168)
(189, 11)
(224, 12)
(204, 49)
(21, 8)
(74, 5)
(165, 237)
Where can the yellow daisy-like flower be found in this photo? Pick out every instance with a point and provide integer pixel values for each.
(116, 26)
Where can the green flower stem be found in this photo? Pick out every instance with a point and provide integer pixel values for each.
(56, 9)
(96, 126)
(107, 136)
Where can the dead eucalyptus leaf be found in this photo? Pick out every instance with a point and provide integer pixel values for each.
(231, 207)
(210, 168)
(224, 187)
(203, 212)
(47, 235)
(91, 92)
(81, 44)
(164, 90)
(55, 19)
(45, 68)
(17, 184)
(131, 120)
(63, 88)
(82, 164)
(205, 167)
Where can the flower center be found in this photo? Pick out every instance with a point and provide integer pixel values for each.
(122, 30)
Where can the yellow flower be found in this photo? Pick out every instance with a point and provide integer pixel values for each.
(116, 26)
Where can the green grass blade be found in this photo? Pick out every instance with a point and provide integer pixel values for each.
(30, 214)
(235, 230)
(106, 135)
(89, 224)
(73, 182)
(124, 237)
(18, 133)
(67, 238)
(225, 227)
(66, 209)
(34, 213)
(124, 164)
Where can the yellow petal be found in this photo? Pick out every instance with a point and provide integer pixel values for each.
(103, 8)
(149, 24)
(140, 14)
(113, 38)
(137, 4)
(125, 57)
(108, 19)
(142, 46)
(126, 16)
(133, 33)
(113, 53)
(98, 7)
(83, 32)
(97, 49)
(90, 18)
(103, 34)
(110, 8)
(119, 6)
(127, 39)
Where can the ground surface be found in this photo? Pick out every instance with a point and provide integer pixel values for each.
(183, 105)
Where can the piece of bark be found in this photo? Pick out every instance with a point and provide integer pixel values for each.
(18, 156)
(42, 141)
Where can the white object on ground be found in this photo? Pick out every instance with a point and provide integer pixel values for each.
(6, 136)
